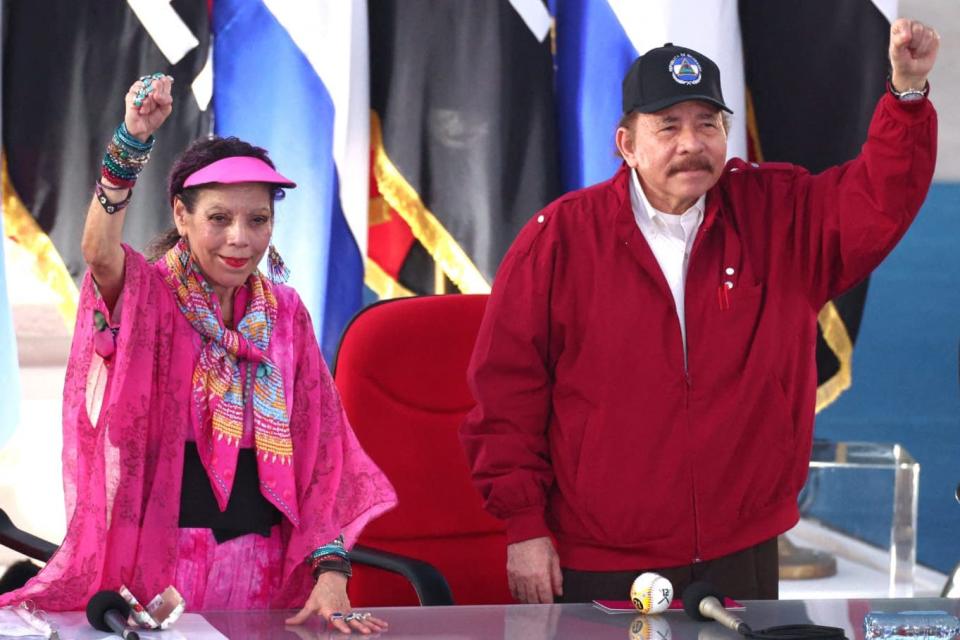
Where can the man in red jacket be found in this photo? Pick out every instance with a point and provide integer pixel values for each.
(645, 374)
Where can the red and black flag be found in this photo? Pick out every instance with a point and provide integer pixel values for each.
(462, 136)
(66, 68)
(814, 72)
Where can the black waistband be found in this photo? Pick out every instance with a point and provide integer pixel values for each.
(247, 510)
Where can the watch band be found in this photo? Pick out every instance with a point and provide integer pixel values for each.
(909, 95)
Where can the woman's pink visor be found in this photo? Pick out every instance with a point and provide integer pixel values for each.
(237, 169)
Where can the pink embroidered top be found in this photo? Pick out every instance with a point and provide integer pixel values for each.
(124, 428)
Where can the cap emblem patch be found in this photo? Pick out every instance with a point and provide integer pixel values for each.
(685, 69)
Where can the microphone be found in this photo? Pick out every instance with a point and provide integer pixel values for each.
(108, 611)
(703, 602)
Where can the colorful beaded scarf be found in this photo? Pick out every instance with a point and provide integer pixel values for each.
(218, 391)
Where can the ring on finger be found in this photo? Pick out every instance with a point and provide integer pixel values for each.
(335, 616)
(142, 95)
(358, 616)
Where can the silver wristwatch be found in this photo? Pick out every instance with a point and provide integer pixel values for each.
(910, 95)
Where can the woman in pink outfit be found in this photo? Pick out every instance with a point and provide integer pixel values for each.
(204, 443)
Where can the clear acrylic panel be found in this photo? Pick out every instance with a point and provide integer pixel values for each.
(865, 493)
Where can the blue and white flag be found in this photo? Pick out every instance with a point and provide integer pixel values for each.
(292, 77)
(597, 40)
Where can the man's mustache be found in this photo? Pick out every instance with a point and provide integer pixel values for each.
(692, 164)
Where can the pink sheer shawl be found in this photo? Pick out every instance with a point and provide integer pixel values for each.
(123, 458)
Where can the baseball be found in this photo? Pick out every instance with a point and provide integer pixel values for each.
(651, 593)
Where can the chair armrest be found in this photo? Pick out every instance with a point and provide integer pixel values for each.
(23, 542)
(431, 587)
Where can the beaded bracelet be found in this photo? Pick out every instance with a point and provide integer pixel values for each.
(123, 171)
(128, 139)
(334, 547)
(121, 155)
(117, 180)
(329, 550)
(330, 557)
(125, 157)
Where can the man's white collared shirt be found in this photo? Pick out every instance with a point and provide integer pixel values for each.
(670, 237)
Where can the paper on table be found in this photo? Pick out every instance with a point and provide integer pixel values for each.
(11, 626)
(625, 606)
(17, 623)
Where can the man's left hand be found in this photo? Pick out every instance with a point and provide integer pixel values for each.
(913, 50)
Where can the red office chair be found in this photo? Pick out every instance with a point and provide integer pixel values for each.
(401, 372)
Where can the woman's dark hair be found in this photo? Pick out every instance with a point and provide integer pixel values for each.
(199, 154)
(160, 244)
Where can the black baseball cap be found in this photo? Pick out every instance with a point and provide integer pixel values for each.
(667, 75)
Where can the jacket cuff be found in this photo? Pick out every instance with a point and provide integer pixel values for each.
(526, 526)
(907, 112)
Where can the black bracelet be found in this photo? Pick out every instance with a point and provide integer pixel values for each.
(111, 187)
(341, 565)
(111, 207)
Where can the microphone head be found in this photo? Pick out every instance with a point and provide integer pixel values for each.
(100, 603)
(694, 595)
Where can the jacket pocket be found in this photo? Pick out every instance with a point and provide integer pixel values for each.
(739, 303)
(775, 453)
(732, 331)
(626, 492)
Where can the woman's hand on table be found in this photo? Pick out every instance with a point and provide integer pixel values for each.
(329, 600)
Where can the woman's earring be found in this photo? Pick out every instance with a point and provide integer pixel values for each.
(277, 271)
